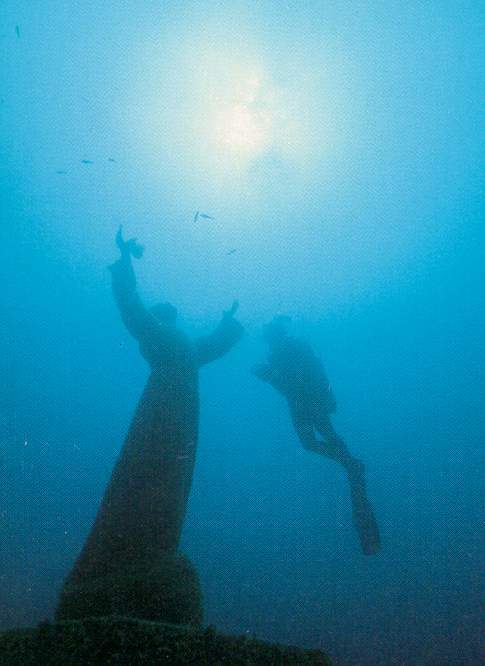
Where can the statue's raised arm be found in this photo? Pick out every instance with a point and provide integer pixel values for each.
(134, 314)
(222, 339)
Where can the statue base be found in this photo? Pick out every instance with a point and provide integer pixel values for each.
(122, 640)
(166, 591)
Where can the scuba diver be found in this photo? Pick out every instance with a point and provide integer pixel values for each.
(297, 373)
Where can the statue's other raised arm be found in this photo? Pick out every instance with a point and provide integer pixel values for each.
(226, 335)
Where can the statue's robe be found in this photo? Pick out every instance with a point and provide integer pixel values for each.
(143, 508)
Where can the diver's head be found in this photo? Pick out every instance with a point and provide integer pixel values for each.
(276, 330)
(165, 313)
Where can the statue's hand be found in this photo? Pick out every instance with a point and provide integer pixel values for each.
(129, 247)
(119, 239)
(135, 249)
(232, 310)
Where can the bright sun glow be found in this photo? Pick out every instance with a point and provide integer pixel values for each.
(242, 129)
(243, 121)
(223, 108)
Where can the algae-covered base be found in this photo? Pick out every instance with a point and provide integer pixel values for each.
(121, 640)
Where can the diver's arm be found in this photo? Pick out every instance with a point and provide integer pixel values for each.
(217, 344)
(266, 373)
(133, 313)
(262, 371)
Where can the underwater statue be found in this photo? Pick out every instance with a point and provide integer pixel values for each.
(293, 369)
(129, 563)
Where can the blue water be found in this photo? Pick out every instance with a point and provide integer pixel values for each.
(359, 213)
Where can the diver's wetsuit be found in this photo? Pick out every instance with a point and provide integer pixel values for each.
(294, 370)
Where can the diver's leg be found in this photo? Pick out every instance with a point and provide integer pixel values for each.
(333, 445)
(303, 424)
(362, 513)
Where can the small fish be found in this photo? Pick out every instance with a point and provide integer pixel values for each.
(110, 159)
(87, 162)
(17, 31)
(231, 251)
(203, 216)
(60, 171)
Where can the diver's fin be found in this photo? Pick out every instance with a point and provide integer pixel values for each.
(362, 513)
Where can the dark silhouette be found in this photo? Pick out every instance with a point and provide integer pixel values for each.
(142, 512)
(293, 369)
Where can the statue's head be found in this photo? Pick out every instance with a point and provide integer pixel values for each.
(165, 313)
(276, 330)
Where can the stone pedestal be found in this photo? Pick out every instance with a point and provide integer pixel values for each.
(165, 589)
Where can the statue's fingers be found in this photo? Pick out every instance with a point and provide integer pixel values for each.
(119, 239)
